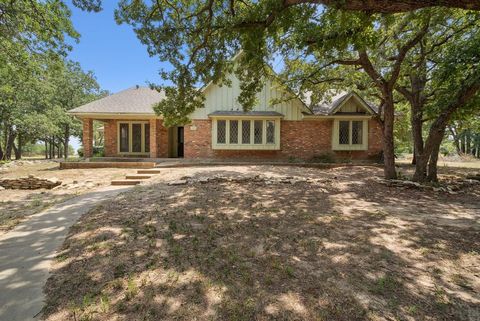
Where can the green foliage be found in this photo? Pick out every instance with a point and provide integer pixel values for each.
(327, 157)
(33, 106)
(448, 62)
(35, 149)
(37, 84)
(98, 151)
(200, 38)
(402, 130)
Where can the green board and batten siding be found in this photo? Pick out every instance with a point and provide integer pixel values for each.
(225, 98)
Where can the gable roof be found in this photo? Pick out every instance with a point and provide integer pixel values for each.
(330, 107)
(135, 100)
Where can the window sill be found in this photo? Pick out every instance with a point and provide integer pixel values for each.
(246, 147)
(350, 148)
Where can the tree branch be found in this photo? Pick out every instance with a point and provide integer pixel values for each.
(391, 6)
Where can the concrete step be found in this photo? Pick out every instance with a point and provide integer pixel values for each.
(138, 176)
(126, 182)
(148, 171)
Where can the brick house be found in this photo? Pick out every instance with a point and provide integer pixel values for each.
(345, 128)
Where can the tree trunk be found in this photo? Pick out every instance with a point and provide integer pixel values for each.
(468, 142)
(388, 142)
(5, 139)
(432, 144)
(420, 174)
(18, 150)
(1, 151)
(50, 148)
(46, 148)
(66, 140)
(432, 164)
(59, 149)
(416, 99)
(456, 141)
(416, 122)
(9, 146)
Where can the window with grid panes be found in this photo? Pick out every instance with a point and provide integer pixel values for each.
(350, 135)
(270, 131)
(221, 131)
(344, 132)
(233, 131)
(258, 131)
(246, 131)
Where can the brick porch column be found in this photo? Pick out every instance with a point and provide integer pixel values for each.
(87, 137)
(153, 139)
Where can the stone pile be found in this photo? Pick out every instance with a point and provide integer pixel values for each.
(475, 176)
(268, 180)
(30, 182)
(451, 186)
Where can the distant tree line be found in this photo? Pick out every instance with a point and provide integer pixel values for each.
(466, 136)
(38, 85)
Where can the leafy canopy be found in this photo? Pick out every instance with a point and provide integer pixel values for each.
(199, 38)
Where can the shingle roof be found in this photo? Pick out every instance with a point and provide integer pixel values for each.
(327, 107)
(129, 101)
(248, 113)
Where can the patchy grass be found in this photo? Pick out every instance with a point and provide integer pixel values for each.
(17, 205)
(341, 247)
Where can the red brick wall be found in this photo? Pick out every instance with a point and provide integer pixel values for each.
(162, 139)
(197, 143)
(299, 139)
(111, 138)
(87, 137)
(153, 143)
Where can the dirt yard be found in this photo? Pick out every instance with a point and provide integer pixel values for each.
(293, 244)
(17, 205)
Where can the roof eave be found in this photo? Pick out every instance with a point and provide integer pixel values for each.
(336, 116)
(112, 115)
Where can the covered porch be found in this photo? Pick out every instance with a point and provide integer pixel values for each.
(133, 138)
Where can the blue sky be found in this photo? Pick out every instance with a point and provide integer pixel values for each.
(112, 51)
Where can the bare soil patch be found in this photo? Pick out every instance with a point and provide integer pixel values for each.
(330, 245)
(17, 205)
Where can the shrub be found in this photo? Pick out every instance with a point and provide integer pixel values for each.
(327, 157)
(98, 151)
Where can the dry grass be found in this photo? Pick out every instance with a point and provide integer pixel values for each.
(467, 161)
(340, 248)
(17, 205)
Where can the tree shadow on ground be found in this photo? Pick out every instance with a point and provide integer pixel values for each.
(14, 211)
(324, 250)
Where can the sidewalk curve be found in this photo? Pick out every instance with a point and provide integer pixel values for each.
(27, 251)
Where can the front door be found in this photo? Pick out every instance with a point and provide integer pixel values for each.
(180, 141)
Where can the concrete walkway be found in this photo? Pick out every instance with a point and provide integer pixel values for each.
(27, 251)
